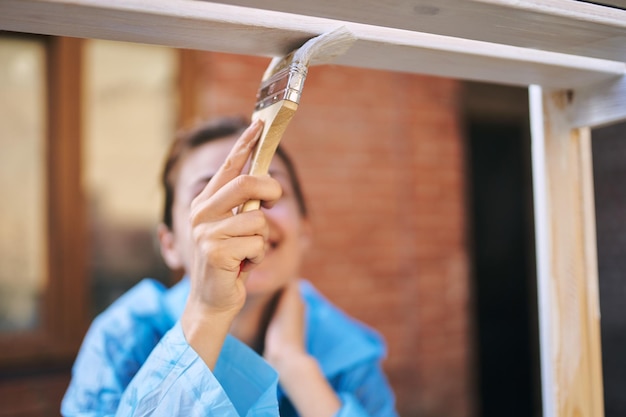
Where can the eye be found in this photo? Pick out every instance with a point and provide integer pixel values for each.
(283, 180)
(197, 187)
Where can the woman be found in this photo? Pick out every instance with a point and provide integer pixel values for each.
(196, 348)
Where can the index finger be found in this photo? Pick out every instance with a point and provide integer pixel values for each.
(236, 159)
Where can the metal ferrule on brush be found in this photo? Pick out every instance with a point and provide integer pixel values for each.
(286, 84)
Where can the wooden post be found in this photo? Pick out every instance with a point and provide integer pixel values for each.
(567, 277)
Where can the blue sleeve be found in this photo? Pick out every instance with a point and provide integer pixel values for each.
(116, 345)
(134, 363)
(365, 392)
(174, 381)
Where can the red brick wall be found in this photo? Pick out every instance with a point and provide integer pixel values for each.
(381, 158)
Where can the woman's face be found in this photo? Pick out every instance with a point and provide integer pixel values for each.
(289, 232)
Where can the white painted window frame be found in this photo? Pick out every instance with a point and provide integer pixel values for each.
(570, 54)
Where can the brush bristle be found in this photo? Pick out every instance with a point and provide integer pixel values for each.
(319, 50)
(324, 48)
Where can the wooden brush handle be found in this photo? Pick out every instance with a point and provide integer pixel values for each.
(276, 118)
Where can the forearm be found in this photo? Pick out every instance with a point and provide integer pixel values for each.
(307, 387)
(205, 333)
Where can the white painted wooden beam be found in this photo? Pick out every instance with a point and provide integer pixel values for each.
(543, 245)
(566, 26)
(218, 27)
(599, 104)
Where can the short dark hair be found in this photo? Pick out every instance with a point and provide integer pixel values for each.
(189, 139)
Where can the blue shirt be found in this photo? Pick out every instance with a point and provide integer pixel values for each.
(135, 361)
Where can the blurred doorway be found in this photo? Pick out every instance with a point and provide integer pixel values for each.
(502, 248)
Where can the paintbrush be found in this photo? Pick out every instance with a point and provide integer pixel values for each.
(279, 94)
